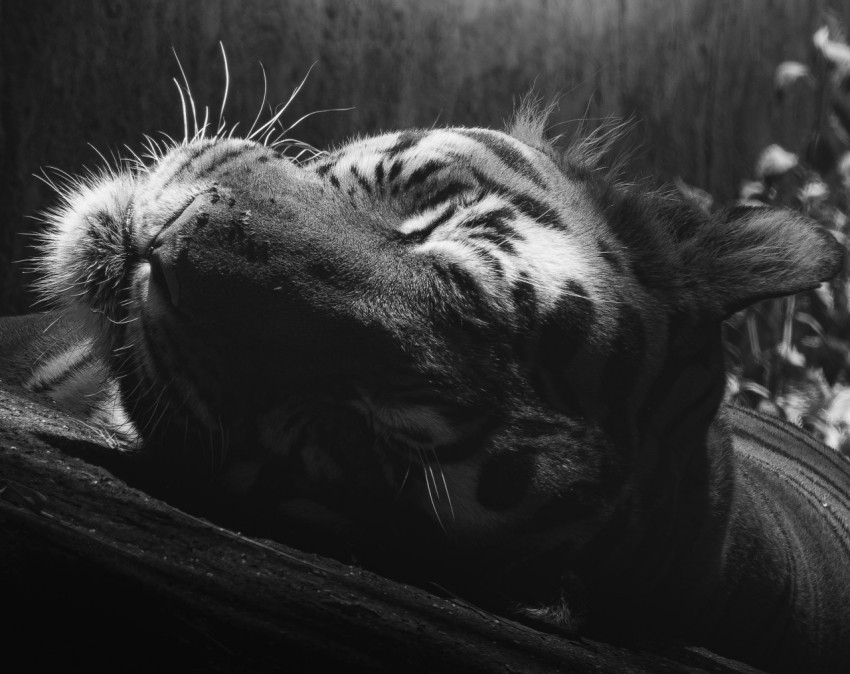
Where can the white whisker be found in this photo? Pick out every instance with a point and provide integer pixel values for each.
(221, 123)
(185, 116)
(445, 484)
(262, 103)
(426, 470)
(189, 94)
(274, 119)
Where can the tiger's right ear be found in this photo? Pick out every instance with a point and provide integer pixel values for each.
(750, 254)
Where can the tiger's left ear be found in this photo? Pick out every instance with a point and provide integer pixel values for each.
(749, 254)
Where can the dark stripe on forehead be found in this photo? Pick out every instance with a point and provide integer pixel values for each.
(421, 234)
(193, 153)
(445, 193)
(395, 169)
(197, 152)
(535, 209)
(406, 140)
(497, 240)
(510, 155)
(496, 221)
(220, 160)
(420, 174)
(322, 169)
(494, 226)
(494, 263)
(361, 180)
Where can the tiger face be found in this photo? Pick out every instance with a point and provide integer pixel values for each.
(455, 340)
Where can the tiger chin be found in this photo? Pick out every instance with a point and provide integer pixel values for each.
(474, 355)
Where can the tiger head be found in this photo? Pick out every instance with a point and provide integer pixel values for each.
(458, 338)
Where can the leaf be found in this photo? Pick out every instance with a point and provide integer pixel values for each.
(838, 410)
(753, 192)
(789, 73)
(813, 191)
(775, 161)
(836, 53)
(824, 293)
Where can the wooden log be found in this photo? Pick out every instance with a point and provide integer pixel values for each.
(95, 570)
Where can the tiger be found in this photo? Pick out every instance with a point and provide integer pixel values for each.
(466, 355)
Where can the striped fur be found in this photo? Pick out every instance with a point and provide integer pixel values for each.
(467, 355)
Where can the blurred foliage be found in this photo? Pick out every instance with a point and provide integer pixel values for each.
(791, 356)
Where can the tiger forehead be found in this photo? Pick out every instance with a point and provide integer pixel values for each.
(415, 155)
(482, 201)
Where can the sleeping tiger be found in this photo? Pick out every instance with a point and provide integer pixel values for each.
(471, 356)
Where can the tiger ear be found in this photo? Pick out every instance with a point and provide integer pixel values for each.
(749, 254)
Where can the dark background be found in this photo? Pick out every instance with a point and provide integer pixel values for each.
(695, 75)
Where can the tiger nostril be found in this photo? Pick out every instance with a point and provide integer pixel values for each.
(163, 276)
